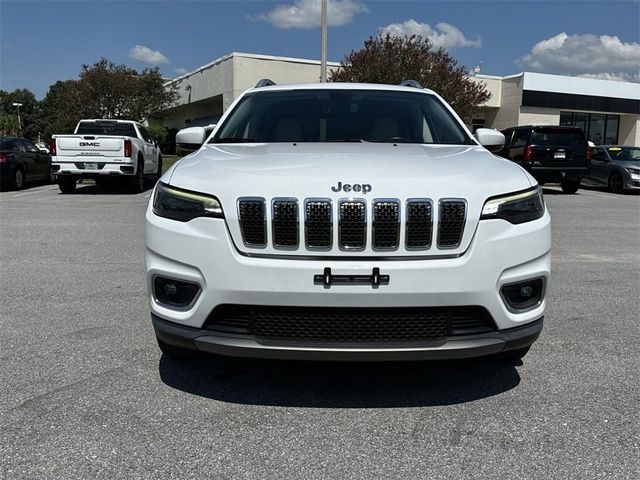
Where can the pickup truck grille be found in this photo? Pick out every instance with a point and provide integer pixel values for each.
(351, 218)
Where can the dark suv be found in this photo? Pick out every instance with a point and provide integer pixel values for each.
(552, 154)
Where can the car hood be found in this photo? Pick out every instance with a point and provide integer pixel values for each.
(312, 170)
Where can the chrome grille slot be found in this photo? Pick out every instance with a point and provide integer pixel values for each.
(451, 219)
(285, 223)
(419, 223)
(386, 224)
(253, 221)
(352, 224)
(318, 223)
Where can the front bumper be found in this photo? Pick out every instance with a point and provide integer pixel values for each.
(201, 251)
(452, 348)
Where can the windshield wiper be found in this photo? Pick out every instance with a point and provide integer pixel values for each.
(234, 140)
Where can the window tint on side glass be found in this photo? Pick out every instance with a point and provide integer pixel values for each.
(520, 138)
(598, 154)
(145, 134)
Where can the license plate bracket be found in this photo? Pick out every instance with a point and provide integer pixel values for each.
(90, 166)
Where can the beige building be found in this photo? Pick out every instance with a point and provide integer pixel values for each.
(608, 111)
(208, 91)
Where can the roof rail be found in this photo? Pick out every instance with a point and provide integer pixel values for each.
(265, 82)
(410, 83)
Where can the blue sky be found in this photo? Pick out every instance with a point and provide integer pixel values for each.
(46, 41)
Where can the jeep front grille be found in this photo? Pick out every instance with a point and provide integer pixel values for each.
(386, 224)
(419, 223)
(285, 223)
(451, 223)
(253, 221)
(351, 218)
(352, 224)
(318, 223)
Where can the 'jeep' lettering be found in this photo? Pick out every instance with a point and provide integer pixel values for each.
(89, 144)
(356, 187)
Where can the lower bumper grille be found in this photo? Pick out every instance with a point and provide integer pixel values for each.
(349, 325)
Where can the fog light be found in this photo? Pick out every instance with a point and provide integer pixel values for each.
(523, 295)
(175, 293)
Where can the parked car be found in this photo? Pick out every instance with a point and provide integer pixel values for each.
(103, 150)
(616, 166)
(21, 162)
(343, 221)
(552, 154)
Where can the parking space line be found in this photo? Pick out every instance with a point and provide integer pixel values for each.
(599, 194)
(34, 191)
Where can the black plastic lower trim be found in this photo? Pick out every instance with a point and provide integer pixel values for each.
(452, 348)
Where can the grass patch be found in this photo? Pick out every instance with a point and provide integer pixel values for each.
(168, 160)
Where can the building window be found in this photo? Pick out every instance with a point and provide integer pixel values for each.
(599, 128)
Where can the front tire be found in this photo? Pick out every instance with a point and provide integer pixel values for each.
(67, 184)
(570, 186)
(615, 184)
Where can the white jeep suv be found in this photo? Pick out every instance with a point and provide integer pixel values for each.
(346, 222)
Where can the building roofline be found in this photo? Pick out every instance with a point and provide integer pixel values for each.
(249, 55)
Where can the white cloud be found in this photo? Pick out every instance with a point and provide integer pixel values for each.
(306, 13)
(443, 35)
(146, 55)
(180, 71)
(595, 56)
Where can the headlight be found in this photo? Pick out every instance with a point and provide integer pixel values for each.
(519, 207)
(635, 171)
(183, 205)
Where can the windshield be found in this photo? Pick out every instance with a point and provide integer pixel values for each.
(624, 154)
(341, 116)
(557, 137)
(106, 128)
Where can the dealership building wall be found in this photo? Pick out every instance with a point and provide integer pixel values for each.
(608, 111)
(205, 93)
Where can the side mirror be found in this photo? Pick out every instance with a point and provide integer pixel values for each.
(191, 138)
(490, 139)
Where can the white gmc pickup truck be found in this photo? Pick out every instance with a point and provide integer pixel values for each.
(104, 149)
(346, 222)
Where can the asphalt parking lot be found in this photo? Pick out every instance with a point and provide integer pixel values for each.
(85, 392)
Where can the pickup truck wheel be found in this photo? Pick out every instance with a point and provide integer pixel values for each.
(176, 353)
(615, 184)
(570, 186)
(512, 356)
(67, 183)
(17, 181)
(159, 170)
(137, 182)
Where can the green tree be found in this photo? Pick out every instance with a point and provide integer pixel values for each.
(61, 108)
(29, 113)
(108, 90)
(390, 59)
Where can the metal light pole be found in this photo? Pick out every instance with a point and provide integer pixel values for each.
(15, 104)
(323, 43)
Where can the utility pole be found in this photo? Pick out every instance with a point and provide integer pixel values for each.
(15, 104)
(323, 43)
